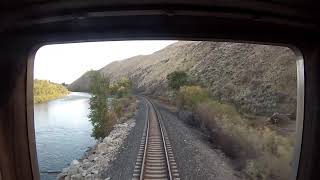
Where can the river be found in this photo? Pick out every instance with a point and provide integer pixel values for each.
(62, 132)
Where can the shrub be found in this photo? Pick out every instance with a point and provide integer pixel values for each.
(103, 114)
(111, 119)
(131, 109)
(274, 160)
(125, 102)
(177, 79)
(190, 96)
(103, 128)
(118, 108)
(98, 105)
(121, 87)
(267, 155)
(124, 108)
(212, 116)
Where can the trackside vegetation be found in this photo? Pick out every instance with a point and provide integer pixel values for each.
(177, 79)
(121, 88)
(45, 90)
(260, 151)
(110, 103)
(98, 105)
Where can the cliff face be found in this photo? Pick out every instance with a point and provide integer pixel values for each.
(256, 78)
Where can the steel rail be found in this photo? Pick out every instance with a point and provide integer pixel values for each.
(155, 158)
(145, 146)
(163, 140)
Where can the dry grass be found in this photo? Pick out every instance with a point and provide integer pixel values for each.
(190, 96)
(259, 151)
(125, 108)
(265, 154)
(112, 118)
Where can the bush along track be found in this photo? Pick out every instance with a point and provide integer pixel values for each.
(258, 149)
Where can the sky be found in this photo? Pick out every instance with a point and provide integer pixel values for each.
(67, 62)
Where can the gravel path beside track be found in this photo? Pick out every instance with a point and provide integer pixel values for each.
(123, 166)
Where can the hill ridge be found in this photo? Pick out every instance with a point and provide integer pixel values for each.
(255, 78)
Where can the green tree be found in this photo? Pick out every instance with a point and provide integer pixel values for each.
(177, 79)
(124, 82)
(121, 87)
(99, 88)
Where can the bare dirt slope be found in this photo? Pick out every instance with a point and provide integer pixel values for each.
(255, 78)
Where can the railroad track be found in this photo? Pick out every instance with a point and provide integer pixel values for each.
(155, 158)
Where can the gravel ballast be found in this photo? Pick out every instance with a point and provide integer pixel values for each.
(195, 157)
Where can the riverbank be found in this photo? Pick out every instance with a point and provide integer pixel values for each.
(98, 159)
(100, 156)
(45, 91)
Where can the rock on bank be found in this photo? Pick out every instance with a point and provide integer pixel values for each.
(100, 157)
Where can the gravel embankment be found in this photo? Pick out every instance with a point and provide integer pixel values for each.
(123, 167)
(195, 157)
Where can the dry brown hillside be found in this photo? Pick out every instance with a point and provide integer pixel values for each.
(81, 84)
(255, 78)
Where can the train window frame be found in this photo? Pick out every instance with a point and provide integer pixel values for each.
(300, 104)
(28, 25)
(300, 110)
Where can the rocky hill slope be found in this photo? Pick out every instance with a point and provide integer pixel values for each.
(255, 78)
(82, 84)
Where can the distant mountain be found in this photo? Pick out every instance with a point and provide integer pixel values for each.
(255, 78)
(82, 84)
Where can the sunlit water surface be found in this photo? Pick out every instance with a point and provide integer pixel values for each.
(62, 132)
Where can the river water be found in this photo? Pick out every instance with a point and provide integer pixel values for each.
(62, 132)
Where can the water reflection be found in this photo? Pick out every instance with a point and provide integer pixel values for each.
(62, 132)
